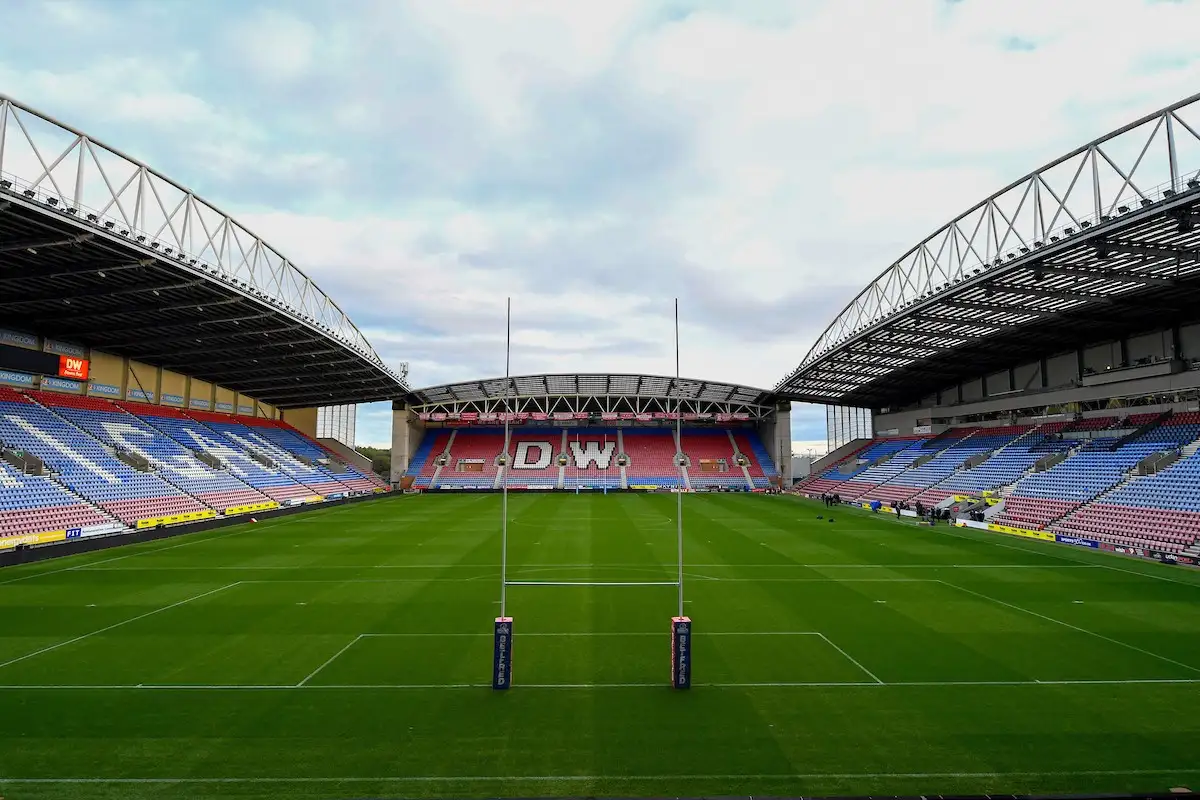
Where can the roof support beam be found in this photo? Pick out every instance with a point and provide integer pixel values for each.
(995, 308)
(342, 376)
(225, 348)
(972, 323)
(94, 296)
(175, 326)
(1107, 275)
(1053, 294)
(43, 244)
(1154, 251)
(91, 269)
(126, 311)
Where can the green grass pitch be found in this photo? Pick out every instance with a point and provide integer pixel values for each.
(347, 653)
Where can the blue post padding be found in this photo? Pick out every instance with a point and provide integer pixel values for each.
(681, 652)
(502, 654)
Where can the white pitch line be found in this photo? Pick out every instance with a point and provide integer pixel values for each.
(618, 778)
(591, 583)
(699, 634)
(1074, 562)
(332, 658)
(851, 659)
(115, 625)
(222, 687)
(1075, 627)
(533, 567)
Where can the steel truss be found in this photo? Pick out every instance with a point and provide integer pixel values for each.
(587, 395)
(1090, 232)
(107, 193)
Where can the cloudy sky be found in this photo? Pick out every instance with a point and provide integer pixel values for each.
(761, 160)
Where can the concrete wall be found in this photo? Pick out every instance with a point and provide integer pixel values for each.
(1028, 376)
(1062, 369)
(141, 378)
(174, 389)
(778, 440)
(998, 383)
(1149, 345)
(200, 395)
(224, 400)
(303, 420)
(405, 439)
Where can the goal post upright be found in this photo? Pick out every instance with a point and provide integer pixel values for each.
(503, 631)
(681, 625)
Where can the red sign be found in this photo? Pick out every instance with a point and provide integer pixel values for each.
(72, 367)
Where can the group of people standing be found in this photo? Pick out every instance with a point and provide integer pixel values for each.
(831, 499)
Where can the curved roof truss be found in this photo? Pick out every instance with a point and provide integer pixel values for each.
(594, 393)
(1128, 195)
(66, 170)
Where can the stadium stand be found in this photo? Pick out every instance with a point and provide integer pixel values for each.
(1096, 466)
(592, 459)
(122, 431)
(1005, 466)
(32, 504)
(651, 458)
(713, 462)
(194, 435)
(761, 467)
(534, 458)
(296, 443)
(85, 466)
(472, 460)
(423, 465)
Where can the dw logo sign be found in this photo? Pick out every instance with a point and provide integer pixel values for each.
(537, 455)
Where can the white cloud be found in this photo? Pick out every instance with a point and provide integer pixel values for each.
(275, 46)
(423, 161)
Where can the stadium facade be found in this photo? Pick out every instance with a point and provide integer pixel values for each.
(1034, 364)
(592, 431)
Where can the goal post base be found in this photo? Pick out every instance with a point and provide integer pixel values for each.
(681, 652)
(502, 653)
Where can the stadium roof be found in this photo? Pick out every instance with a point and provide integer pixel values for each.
(1102, 242)
(98, 249)
(712, 395)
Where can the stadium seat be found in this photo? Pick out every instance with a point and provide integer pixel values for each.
(592, 459)
(713, 462)
(651, 454)
(84, 465)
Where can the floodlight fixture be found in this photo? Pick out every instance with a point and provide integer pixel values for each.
(51, 201)
(1122, 209)
(1168, 192)
(1194, 183)
(28, 192)
(5, 184)
(92, 218)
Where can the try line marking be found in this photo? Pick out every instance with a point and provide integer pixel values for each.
(545, 778)
(530, 567)
(248, 687)
(821, 636)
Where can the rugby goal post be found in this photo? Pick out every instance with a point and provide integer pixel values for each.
(503, 631)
